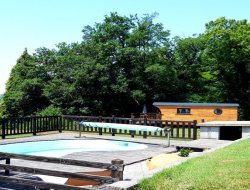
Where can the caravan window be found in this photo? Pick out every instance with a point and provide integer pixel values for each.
(183, 111)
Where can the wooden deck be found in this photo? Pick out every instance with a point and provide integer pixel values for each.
(129, 157)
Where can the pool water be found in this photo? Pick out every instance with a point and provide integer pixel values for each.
(59, 148)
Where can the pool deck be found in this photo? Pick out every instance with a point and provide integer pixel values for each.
(155, 147)
(135, 161)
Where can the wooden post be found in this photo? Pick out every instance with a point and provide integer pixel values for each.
(3, 121)
(34, 125)
(132, 133)
(60, 123)
(113, 132)
(100, 131)
(132, 119)
(117, 172)
(144, 134)
(145, 120)
(80, 130)
(7, 172)
(195, 130)
(145, 123)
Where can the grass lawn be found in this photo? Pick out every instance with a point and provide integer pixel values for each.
(228, 168)
(30, 135)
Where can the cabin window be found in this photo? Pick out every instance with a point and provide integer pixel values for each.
(218, 111)
(183, 111)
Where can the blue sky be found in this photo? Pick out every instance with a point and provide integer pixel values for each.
(43, 23)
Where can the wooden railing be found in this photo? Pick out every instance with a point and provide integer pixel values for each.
(16, 126)
(116, 168)
(179, 129)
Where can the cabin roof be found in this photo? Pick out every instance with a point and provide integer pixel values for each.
(196, 104)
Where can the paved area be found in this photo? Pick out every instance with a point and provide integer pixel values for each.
(203, 144)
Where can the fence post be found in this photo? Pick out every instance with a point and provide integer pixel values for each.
(113, 131)
(3, 121)
(117, 172)
(144, 134)
(145, 123)
(34, 125)
(132, 119)
(100, 131)
(7, 172)
(195, 130)
(59, 118)
(145, 120)
(132, 133)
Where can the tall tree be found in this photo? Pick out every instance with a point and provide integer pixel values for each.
(191, 70)
(227, 54)
(137, 58)
(24, 89)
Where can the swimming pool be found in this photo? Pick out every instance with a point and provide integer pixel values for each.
(59, 148)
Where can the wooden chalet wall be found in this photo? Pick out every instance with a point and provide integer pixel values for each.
(199, 113)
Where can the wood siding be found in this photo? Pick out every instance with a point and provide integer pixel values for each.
(199, 112)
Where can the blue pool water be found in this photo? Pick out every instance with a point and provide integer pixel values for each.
(59, 148)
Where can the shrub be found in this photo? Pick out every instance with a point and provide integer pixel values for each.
(184, 152)
(49, 111)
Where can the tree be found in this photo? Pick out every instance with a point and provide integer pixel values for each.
(24, 89)
(191, 70)
(227, 54)
(137, 58)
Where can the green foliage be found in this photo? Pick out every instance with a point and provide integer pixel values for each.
(125, 62)
(184, 152)
(49, 111)
(227, 55)
(24, 89)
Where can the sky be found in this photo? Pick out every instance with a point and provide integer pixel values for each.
(44, 23)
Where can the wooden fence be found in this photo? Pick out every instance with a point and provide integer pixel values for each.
(179, 129)
(15, 126)
(116, 168)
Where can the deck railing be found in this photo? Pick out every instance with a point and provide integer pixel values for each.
(16, 126)
(115, 169)
(179, 129)
(34, 125)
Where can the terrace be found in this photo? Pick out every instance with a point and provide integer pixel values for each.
(129, 168)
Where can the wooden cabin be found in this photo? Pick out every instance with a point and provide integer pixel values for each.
(202, 112)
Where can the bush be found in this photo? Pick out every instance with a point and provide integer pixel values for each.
(184, 152)
(49, 111)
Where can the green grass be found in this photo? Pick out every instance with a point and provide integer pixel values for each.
(228, 168)
(29, 135)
